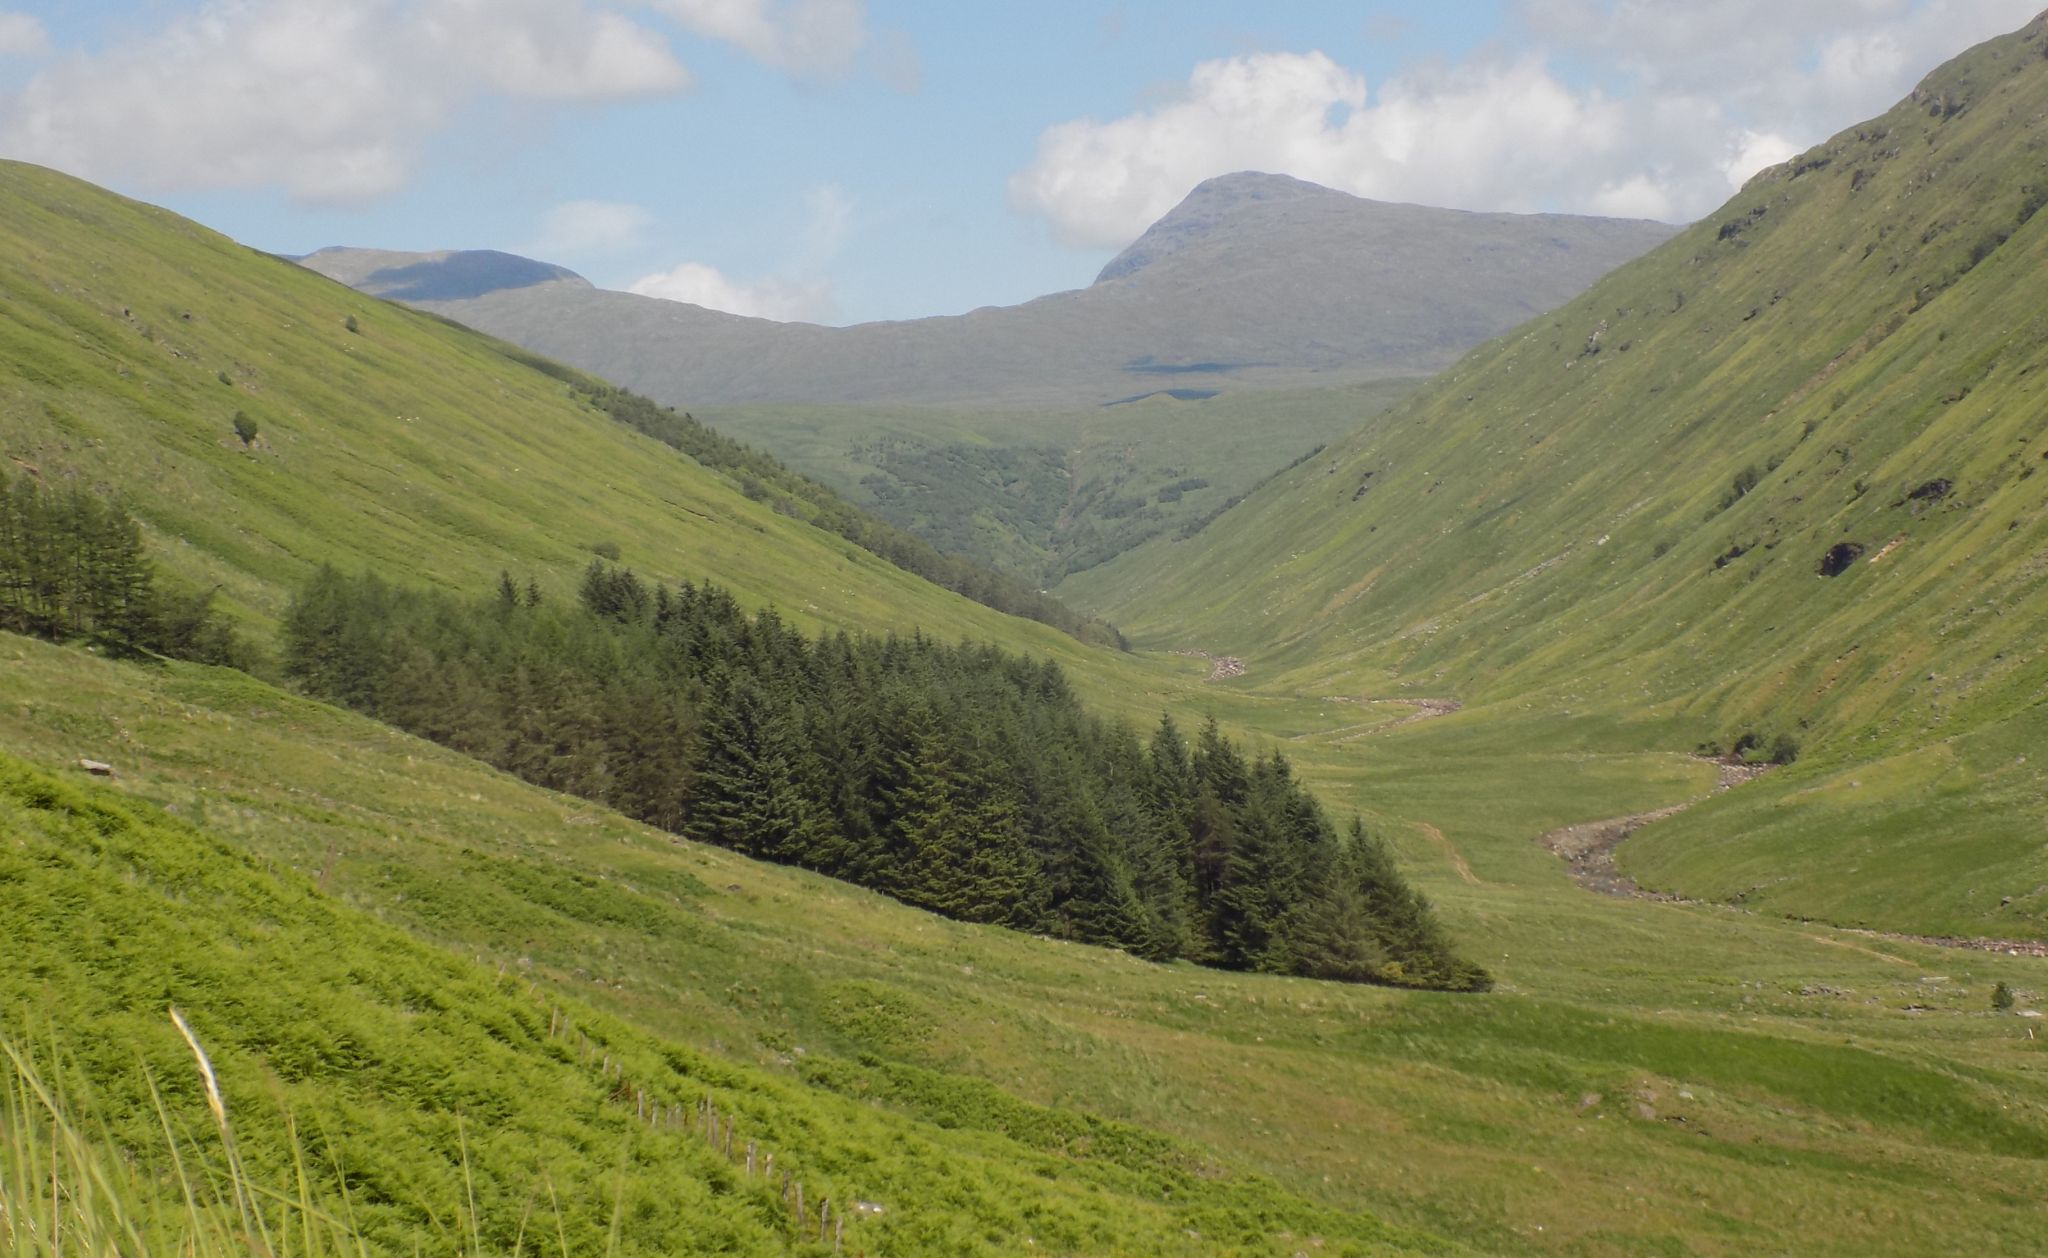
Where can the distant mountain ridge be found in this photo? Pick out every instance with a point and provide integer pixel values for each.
(448, 275)
(1255, 280)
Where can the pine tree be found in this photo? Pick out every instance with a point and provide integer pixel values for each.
(1152, 849)
(24, 542)
(751, 789)
(1171, 788)
(977, 867)
(36, 559)
(916, 802)
(1250, 895)
(844, 731)
(1335, 938)
(959, 778)
(1218, 768)
(1088, 885)
(126, 614)
(334, 639)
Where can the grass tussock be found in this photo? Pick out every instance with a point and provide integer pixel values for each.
(67, 1187)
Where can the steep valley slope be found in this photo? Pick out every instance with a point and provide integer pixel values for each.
(216, 868)
(1780, 478)
(471, 989)
(1050, 436)
(384, 438)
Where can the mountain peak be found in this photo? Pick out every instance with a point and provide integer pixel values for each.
(445, 275)
(1256, 185)
(1255, 222)
(1254, 281)
(1211, 203)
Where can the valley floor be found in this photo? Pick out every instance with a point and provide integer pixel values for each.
(1648, 1078)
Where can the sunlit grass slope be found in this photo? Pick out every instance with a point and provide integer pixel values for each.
(1629, 507)
(1754, 1086)
(131, 338)
(457, 1099)
(1648, 1078)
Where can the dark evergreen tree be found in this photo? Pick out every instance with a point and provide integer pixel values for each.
(959, 778)
(1218, 769)
(73, 565)
(1153, 849)
(755, 788)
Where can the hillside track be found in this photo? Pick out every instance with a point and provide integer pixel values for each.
(1588, 848)
(1451, 853)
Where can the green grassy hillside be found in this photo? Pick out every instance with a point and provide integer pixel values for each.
(1048, 494)
(445, 1103)
(132, 342)
(1050, 436)
(1629, 508)
(130, 339)
(1648, 1079)
(373, 933)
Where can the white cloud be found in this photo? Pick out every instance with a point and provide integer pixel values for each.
(1813, 66)
(22, 35)
(1491, 133)
(801, 291)
(1756, 152)
(549, 49)
(831, 218)
(897, 62)
(816, 38)
(707, 286)
(331, 102)
(1637, 196)
(589, 229)
(1677, 105)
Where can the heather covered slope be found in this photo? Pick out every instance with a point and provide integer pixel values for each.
(1780, 476)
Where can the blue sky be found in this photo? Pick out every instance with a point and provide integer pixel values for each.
(845, 160)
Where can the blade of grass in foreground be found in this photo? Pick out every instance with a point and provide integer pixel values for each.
(62, 1192)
